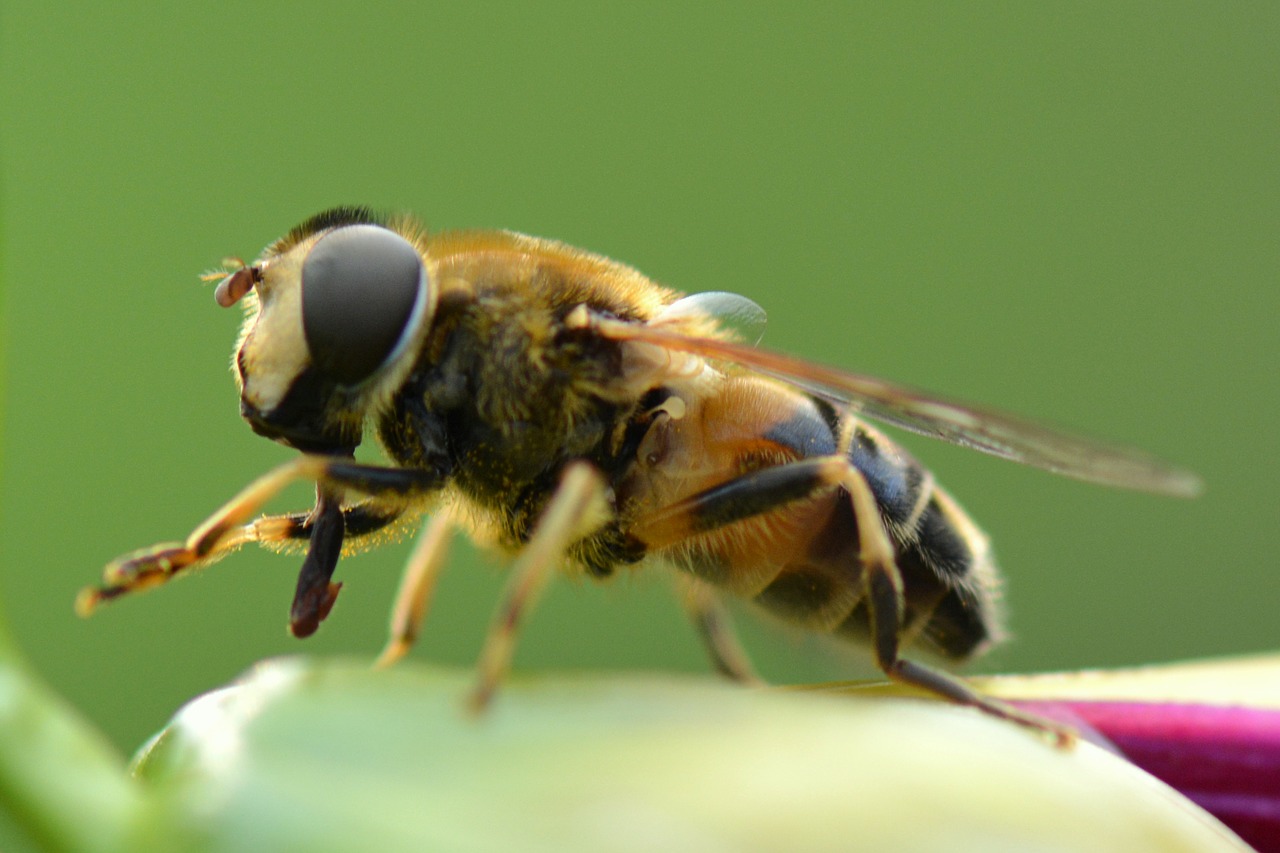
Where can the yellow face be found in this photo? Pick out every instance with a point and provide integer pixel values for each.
(272, 351)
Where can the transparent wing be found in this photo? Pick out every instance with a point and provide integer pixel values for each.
(996, 433)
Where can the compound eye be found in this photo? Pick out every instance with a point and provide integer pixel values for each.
(363, 296)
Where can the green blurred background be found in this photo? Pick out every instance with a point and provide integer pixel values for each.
(1065, 210)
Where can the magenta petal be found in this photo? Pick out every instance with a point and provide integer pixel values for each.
(1225, 759)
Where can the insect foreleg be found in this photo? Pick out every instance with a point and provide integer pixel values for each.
(568, 517)
(226, 529)
(360, 520)
(316, 593)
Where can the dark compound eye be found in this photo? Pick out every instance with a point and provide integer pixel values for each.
(363, 291)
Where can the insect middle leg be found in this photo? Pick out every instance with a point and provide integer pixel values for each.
(711, 619)
(226, 529)
(567, 517)
(768, 489)
(416, 588)
(738, 499)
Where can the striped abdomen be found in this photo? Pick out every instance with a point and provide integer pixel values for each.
(800, 558)
(949, 579)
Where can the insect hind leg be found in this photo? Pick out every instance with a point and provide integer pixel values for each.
(767, 489)
(886, 604)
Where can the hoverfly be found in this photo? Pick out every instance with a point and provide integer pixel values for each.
(575, 413)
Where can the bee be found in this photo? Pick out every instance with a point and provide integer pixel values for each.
(576, 414)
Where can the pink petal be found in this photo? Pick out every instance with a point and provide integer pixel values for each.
(1226, 759)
